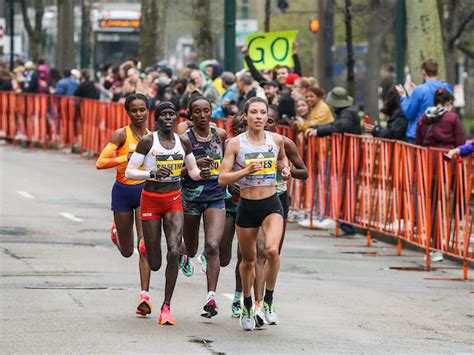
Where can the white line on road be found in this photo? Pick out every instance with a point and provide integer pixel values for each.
(25, 194)
(71, 217)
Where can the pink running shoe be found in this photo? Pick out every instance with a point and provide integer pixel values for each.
(141, 247)
(144, 305)
(165, 316)
(210, 308)
(113, 234)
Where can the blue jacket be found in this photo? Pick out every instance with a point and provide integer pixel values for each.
(229, 95)
(415, 105)
(66, 86)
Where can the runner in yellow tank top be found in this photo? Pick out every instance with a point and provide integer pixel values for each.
(126, 193)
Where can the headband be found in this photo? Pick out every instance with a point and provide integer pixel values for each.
(166, 105)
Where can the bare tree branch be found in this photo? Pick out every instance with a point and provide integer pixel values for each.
(465, 50)
(26, 20)
(461, 28)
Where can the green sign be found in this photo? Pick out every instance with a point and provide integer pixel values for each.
(271, 48)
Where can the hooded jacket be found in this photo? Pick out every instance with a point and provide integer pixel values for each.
(439, 128)
(396, 127)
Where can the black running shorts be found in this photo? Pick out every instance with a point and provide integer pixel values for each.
(252, 213)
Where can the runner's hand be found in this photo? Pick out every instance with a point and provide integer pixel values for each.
(286, 173)
(205, 173)
(163, 172)
(254, 167)
(204, 162)
(234, 189)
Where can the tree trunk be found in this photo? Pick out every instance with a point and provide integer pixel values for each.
(349, 46)
(268, 6)
(34, 33)
(86, 31)
(162, 37)
(202, 29)
(424, 37)
(65, 51)
(149, 32)
(381, 20)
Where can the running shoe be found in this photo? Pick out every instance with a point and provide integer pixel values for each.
(165, 316)
(247, 320)
(210, 308)
(144, 305)
(203, 261)
(113, 234)
(270, 316)
(141, 247)
(259, 317)
(186, 265)
(236, 309)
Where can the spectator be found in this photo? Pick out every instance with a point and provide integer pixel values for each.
(31, 83)
(87, 88)
(422, 97)
(246, 89)
(320, 113)
(53, 78)
(68, 85)
(270, 88)
(439, 127)
(198, 83)
(229, 96)
(396, 120)
(6, 79)
(301, 87)
(302, 115)
(388, 81)
(463, 150)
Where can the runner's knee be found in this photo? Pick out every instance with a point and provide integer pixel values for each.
(271, 253)
(155, 265)
(212, 249)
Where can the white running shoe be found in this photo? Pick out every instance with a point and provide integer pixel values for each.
(247, 319)
(259, 317)
(436, 256)
(270, 316)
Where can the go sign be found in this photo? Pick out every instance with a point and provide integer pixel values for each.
(269, 49)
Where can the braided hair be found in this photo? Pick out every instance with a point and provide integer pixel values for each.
(133, 97)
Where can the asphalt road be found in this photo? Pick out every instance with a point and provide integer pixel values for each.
(66, 289)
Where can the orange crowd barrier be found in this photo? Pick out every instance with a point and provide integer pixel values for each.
(405, 191)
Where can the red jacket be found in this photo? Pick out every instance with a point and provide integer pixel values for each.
(446, 131)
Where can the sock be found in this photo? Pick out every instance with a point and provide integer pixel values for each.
(211, 294)
(258, 304)
(167, 303)
(237, 296)
(144, 293)
(248, 302)
(268, 297)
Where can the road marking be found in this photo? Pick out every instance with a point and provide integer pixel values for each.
(71, 217)
(229, 296)
(25, 194)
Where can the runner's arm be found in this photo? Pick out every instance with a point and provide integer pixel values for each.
(106, 158)
(189, 160)
(132, 172)
(298, 171)
(282, 162)
(227, 176)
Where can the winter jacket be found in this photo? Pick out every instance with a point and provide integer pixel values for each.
(396, 127)
(415, 106)
(347, 121)
(66, 86)
(439, 128)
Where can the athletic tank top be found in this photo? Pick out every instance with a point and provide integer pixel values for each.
(266, 154)
(128, 147)
(205, 190)
(281, 184)
(173, 159)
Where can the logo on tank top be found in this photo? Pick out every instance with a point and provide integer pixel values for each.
(132, 146)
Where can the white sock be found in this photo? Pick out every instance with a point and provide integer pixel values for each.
(144, 293)
(211, 294)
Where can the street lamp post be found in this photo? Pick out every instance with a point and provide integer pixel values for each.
(229, 35)
(12, 32)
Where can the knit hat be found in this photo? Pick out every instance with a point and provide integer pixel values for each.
(339, 98)
(165, 105)
(290, 80)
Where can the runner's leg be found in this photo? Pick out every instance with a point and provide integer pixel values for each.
(214, 223)
(124, 225)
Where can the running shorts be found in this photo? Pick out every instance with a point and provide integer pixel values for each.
(126, 198)
(252, 213)
(198, 208)
(155, 205)
(285, 202)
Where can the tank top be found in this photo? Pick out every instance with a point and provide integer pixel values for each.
(266, 154)
(173, 159)
(205, 190)
(129, 146)
(281, 184)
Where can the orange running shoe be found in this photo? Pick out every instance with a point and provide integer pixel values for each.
(144, 305)
(165, 316)
(113, 234)
(141, 247)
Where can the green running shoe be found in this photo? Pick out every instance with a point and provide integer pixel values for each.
(203, 261)
(186, 265)
(236, 309)
(247, 320)
(270, 316)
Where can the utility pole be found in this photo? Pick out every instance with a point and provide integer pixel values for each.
(400, 40)
(244, 9)
(328, 43)
(268, 7)
(229, 35)
(320, 47)
(85, 34)
(12, 33)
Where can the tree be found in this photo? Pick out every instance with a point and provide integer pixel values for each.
(424, 36)
(34, 33)
(65, 51)
(202, 29)
(349, 46)
(268, 11)
(152, 31)
(381, 21)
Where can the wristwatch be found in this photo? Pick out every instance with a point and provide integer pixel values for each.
(153, 174)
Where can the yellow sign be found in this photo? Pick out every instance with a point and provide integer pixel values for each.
(271, 48)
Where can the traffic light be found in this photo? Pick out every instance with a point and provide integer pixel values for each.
(282, 5)
(314, 25)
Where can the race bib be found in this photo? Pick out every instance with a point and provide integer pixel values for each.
(174, 162)
(215, 167)
(268, 161)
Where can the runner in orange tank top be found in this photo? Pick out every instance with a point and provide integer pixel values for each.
(126, 193)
